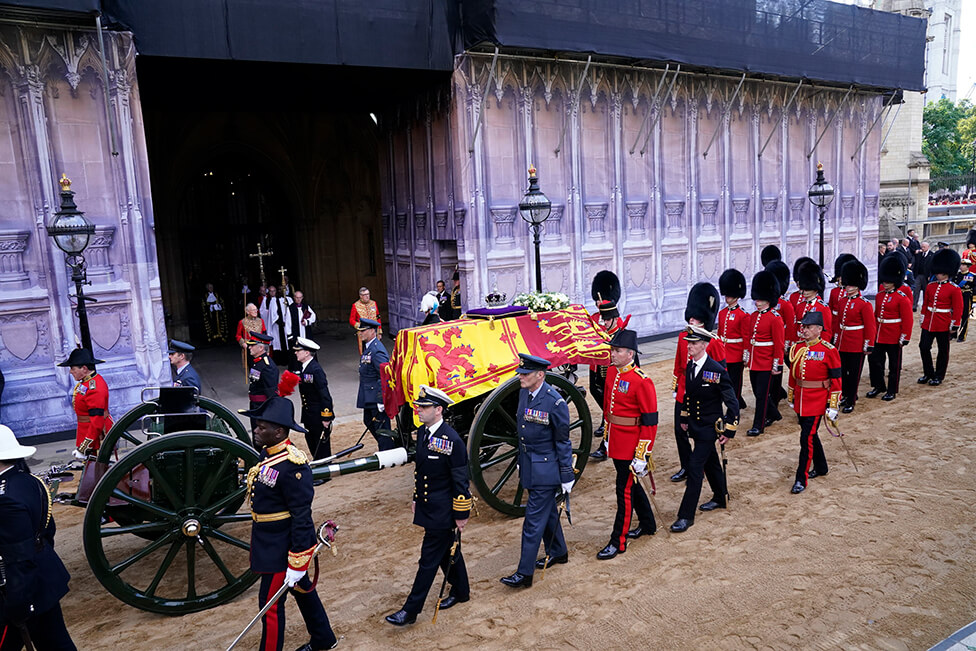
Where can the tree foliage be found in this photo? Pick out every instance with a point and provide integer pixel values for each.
(948, 132)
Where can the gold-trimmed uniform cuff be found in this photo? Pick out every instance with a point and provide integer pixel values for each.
(834, 399)
(731, 427)
(301, 560)
(643, 449)
(462, 503)
(270, 517)
(327, 413)
(674, 383)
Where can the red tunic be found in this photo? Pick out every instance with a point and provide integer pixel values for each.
(786, 313)
(905, 291)
(814, 305)
(765, 346)
(733, 329)
(715, 350)
(856, 325)
(893, 311)
(617, 324)
(630, 413)
(833, 299)
(242, 329)
(814, 378)
(795, 297)
(942, 307)
(90, 401)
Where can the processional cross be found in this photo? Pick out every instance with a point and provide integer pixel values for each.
(282, 271)
(261, 256)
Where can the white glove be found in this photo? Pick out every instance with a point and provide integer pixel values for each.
(77, 454)
(293, 576)
(568, 486)
(639, 466)
(381, 407)
(832, 414)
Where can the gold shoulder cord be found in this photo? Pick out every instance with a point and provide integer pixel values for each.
(296, 456)
(47, 493)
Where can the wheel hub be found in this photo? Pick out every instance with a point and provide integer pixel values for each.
(191, 528)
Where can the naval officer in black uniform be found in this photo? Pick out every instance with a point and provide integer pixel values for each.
(32, 577)
(545, 467)
(263, 375)
(184, 375)
(441, 505)
(370, 398)
(313, 387)
(283, 538)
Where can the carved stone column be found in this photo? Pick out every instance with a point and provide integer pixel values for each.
(741, 208)
(421, 236)
(13, 276)
(459, 214)
(504, 219)
(97, 255)
(674, 209)
(596, 217)
(796, 212)
(847, 202)
(553, 227)
(769, 205)
(708, 209)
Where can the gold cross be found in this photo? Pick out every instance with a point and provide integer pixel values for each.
(261, 256)
(282, 272)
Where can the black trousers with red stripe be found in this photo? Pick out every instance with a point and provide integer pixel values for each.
(47, 632)
(736, 369)
(273, 623)
(851, 366)
(811, 450)
(876, 367)
(630, 497)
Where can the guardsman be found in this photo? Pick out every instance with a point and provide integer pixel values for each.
(184, 375)
(763, 353)
(313, 387)
(814, 390)
(769, 253)
(855, 331)
(630, 413)
(797, 294)
(605, 290)
(370, 398)
(708, 388)
(283, 538)
(733, 326)
(893, 313)
(965, 280)
(263, 376)
(701, 310)
(786, 313)
(441, 505)
(32, 577)
(837, 290)
(545, 459)
(970, 252)
(810, 280)
(941, 315)
(89, 398)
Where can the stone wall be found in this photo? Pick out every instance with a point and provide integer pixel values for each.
(54, 119)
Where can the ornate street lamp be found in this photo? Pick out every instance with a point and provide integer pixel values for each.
(71, 231)
(821, 194)
(535, 208)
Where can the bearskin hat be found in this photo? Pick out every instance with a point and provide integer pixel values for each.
(971, 237)
(770, 253)
(765, 287)
(854, 273)
(732, 283)
(809, 276)
(891, 269)
(605, 287)
(946, 262)
(779, 269)
(839, 263)
(703, 300)
(799, 263)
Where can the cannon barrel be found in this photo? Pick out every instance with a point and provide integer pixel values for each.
(379, 461)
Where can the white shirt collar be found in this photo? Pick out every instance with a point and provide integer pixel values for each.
(433, 428)
(307, 362)
(698, 365)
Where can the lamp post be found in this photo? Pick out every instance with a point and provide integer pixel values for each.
(535, 208)
(71, 232)
(821, 194)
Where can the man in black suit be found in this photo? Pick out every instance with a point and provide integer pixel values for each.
(707, 388)
(921, 267)
(913, 242)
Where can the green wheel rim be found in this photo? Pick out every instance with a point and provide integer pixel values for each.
(174, 558)
(493, 449)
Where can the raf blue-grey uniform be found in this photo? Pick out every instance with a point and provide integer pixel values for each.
(545, 462)
(188, 377)
(371, 394)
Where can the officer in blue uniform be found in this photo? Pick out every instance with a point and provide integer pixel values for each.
(370, 398)
(184, 375)
(32, 577)
(545, 468)
(441, 505)
(263, 375)
(279, 490)
(313, 387)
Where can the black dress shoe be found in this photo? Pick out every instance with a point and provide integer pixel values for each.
(401, 618)
(798, 487)
(681, 475)
(844, 401)
(634, 534)
(609, 552)
(924, 379)
(517, 580)
(681, 525)
(711, 505)
(888, 397)
(848, 409)
(308, 647)
(450, 600)
(753, 432)
(934, 382)
(599, 455)
(319, 482)
(553, 560)
(873, 393)
(813, 473)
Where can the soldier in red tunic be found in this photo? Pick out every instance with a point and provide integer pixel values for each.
(733, 326)
(630, 413)
(797, 294)
(701, 311)
(764, 350)
(90, 401)
(814, 390)
(785, 311)
(837, 291)
(605, 290)
(893, 312)
(855, 332)
(810, 279)
(941, 313)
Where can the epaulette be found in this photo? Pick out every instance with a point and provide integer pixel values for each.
(91, 383)
(296, 456)
(639, 372)
(827, 344)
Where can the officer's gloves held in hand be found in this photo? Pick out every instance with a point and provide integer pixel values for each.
(293, 576)
(568, 486)
(832, 415)
(639, 466)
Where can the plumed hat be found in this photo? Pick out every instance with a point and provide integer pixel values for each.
(946, 262)
(732, 283)
(770, 253)
(808, 276)
(765, 287)
(703, 300)
(839, 263)
(891, 269)
(779, 269)
(83, 356)
(854, 273)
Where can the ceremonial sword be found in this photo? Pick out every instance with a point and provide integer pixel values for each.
(328, 540)
(454, 552)
(563, 500)
(840, 435)
(650, 487)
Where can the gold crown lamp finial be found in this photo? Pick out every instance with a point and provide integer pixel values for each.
(819, 167)
(65, 183)
(532, 170)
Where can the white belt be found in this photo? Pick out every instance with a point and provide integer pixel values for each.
(944, 310)
(889, 320)
(857, 327)
(732, 341)
(761, 343)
